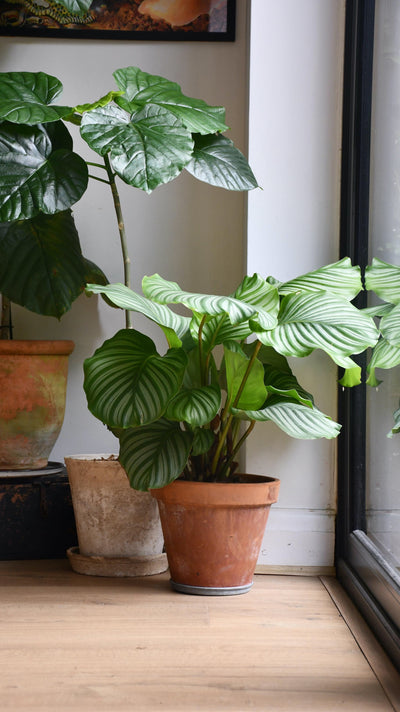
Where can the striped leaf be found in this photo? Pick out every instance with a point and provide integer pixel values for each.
(25, 98)
(385, 356)
(295, 419)
(164, 292)
(154, 455)
(217, 161)
(390, 326)
(196, 406)
(257, 292)
(203, 441)
(127, 383)
(219, 330)
(320, 320)
(125, 298)
(383, 279)
(285, 384)
(146, 149)
(337, 278)
(141, 88)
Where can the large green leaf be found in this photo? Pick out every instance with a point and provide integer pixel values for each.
(146, 149)
(25, 98)
(281, 383)
(125, 298)
(390, 326)
(41, 265)
(154, 455)
(142, 88)
(254, 393)
(338, 278)
(383, 279)
(320, 320)
(295, 419)
(257, 292)
(38, 171)
(165, 292)
(196, 406)
(127, 383)
(217, 161)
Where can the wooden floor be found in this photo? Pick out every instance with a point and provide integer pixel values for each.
(71, 642)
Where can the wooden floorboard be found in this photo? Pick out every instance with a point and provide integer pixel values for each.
(77, 643)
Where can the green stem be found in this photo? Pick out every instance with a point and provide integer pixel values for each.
(122, 233)
(101, 180)
(228, 423)
(203, 372)
(97, 165)
(239, 445)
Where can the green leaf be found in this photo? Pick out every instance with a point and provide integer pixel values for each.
(295, 419)
(41, 266)
(390, 326)
(384, 355)
(196, 406)
(351, 377)
(142, 88)
(286, 385)
(154, 455)
(25, 98)
(218, 162)
(103, 101)
(38, 171)
(203, 441)
(257, 292)
(125, 298)
(164, 292)
(338, 278)
(254, 392)
(127, 383)
(396, 426)
(146, 149)
(75, 6)
(320, 320)
(383, 279)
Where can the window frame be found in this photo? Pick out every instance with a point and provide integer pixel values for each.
(368, 577)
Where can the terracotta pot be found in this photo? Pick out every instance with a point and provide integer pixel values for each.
(118, 528)
(213, 532)
(33, 384)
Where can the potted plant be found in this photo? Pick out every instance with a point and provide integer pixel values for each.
(146, 132)
(182, 416)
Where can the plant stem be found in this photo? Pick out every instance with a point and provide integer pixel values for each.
(225, 431)
(122, 233)
(101, 180)
(239, 445)
(6, 324)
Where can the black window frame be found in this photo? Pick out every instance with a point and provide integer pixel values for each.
(367, 576)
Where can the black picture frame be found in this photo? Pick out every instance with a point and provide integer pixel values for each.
(18, 19)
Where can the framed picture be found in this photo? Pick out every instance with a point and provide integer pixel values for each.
(190, 20)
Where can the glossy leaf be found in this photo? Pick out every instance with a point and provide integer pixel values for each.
(340, 278)
(25, 98)
(142, 88)
(38, 171)
(284, 384)
(217, 161)
(202, 442)
(146, 150)
(41, 266)
(196, 406)
(383, 279)
(127, 383)
(164, 292)
(254, 392)
(125, 298)
(257, 292)
(154, 455)
(295, 419)
(320, 320)
(390, 326)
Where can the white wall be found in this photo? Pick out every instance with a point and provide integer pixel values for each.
(186, 231)
(293, 226)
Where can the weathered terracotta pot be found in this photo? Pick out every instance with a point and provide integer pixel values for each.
(213, 532)
(33, 384)
(118, 528)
